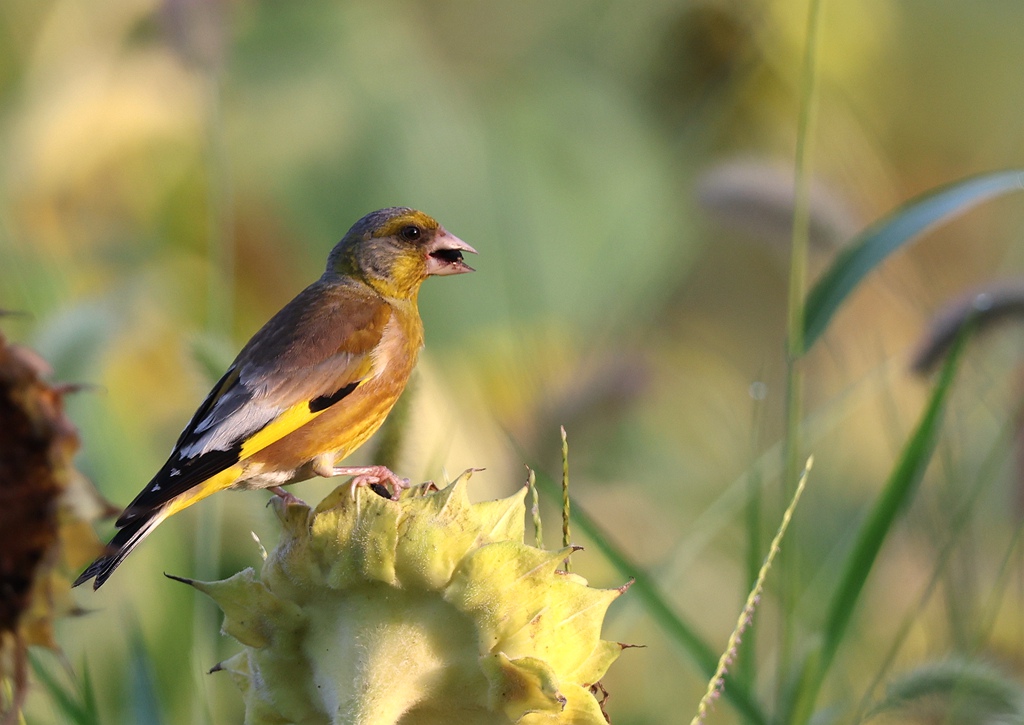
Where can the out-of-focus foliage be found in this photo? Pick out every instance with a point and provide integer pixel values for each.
(172, 173)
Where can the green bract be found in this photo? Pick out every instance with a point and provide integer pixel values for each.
(425, 610)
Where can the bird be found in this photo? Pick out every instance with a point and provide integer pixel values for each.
(311, 386)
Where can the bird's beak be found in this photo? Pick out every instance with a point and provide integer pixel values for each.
(444, 254)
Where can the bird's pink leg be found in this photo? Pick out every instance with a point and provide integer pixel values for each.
(286, 496)
(364, 476)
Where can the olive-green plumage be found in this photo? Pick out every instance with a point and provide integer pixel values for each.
(312, 384)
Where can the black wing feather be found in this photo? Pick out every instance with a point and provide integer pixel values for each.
(326, 401)
(190, 471)
(179, 474)
(227, 381)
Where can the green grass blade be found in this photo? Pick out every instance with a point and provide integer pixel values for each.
(646, 590)
(89, 694)
(876, 243)
(67, 702)
(896, 494)
(796, 306)
(994, 462)
(141, 682)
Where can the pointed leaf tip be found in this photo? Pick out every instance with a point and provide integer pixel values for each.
(182, 579)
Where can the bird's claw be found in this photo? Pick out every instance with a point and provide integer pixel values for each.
(373, 476)
(287, 497)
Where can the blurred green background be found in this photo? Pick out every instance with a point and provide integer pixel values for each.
(172, 173)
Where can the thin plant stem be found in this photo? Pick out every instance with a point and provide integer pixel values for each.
(566, 535)
(998, 590)
(755, 482)
(795, 336)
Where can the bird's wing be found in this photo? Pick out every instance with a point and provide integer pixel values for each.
(308, 357)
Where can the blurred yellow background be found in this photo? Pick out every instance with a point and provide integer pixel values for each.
(171, 173)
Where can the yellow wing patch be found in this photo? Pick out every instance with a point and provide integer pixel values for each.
(210, 486)
(293, 418)
(287, 422)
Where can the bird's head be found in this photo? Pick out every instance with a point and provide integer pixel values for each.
(394, 250)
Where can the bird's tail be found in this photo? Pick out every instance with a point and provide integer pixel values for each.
(126, 539)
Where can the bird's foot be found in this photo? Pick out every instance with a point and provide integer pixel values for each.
(287, 497)
(373, 476)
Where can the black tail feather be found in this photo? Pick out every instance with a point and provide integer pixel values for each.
(126, 539)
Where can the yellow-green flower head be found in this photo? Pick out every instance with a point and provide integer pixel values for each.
(426, 610)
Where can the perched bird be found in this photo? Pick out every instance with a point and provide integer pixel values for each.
(311, 385)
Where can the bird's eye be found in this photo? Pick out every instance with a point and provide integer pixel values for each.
(411, 233)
